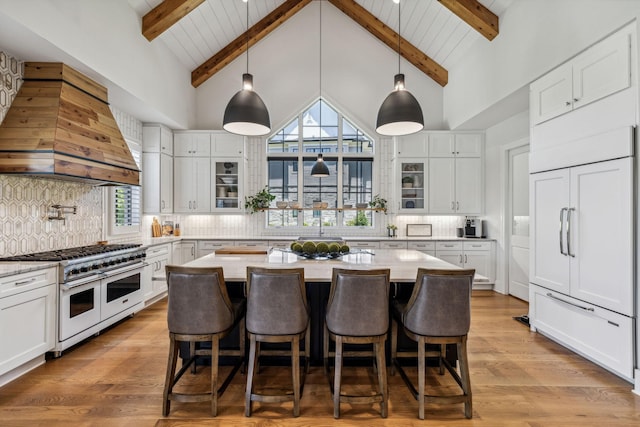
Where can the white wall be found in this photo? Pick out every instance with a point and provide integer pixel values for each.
(535, 37)
(103, 39)
(357, 73)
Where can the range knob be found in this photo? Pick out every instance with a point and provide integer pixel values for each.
(74, 271)
(84, 269)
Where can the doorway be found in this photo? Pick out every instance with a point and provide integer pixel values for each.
(517, 216)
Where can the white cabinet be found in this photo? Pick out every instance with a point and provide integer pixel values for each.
(428, 248)
(356, 244)
(581, 239)
(225, 144)
(206, 247)
(183, 252)
(455, 145)
(192, 144)
(601, 70)
(154, 279)
(27, 317)
(455, 185)
(226, 184)
(412, 146)
(157, 169)
(413, 180)
(192, 184)
(477, 255)
(386, 244)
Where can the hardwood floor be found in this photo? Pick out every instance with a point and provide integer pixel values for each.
(518, 378)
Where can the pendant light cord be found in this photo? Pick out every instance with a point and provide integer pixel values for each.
(399, 22)
(247, 36)
(320, 75)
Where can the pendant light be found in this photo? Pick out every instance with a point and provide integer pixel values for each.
(400, 112)
(246, 113)
(320, 169)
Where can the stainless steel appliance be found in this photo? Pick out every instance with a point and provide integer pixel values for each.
(98, 285)
(474, 227)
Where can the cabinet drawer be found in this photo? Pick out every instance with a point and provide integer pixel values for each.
(449, 246)
(280, 244)
(393, 245)
(18, 283)
(212, 245)
(251, 243)
(600, 335)
(422, 246)
(155, 251)
(363, 245)
(477, 246)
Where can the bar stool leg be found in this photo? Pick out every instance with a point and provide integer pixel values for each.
(295, 369)
(382, 377)
(337, 378)
(394, 345)
(252, 367)
(421, 376)
(192, 353)
(464, 376)
(215, 350)
(171, 371)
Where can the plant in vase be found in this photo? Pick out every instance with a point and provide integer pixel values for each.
(407, 181)
(391, 230)
(379, 203)
(260, 200)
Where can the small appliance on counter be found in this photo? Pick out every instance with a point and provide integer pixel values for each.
(474, 227)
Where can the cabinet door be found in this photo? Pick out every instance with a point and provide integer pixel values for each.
(202, 168)
(192, 144)
(166, 183)
(413, 181)
(602, 70)
(226, 178)
(549, 203)
(225, 144)
(601, 234)
(551, 95)
(415, 145)
(441, 145)
(441, 185)
(192, 184)
(151, 182)
(452, 257)
(468, 145)
(468, 186)
(480, 261)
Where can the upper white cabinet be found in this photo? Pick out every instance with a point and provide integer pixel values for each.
(225, 144)
(601, 70)
(192, 144)
(455, 145)
(455, 186)
(192, 184)
(413, 178)
(157, 169)
(412, 146)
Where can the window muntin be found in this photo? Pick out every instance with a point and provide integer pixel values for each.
(350, 180)
(125, 202)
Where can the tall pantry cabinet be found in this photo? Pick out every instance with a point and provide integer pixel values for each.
(582, 212)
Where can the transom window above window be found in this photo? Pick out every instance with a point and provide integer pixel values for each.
(348, 153)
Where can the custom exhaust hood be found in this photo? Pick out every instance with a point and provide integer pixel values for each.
(60, 126)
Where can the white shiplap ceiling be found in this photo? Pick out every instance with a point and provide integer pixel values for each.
(426, 24)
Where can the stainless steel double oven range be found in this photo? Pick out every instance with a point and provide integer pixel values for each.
(98, 286)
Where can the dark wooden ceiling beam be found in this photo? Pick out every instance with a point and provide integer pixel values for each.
(165, 15)
(389, 37)
(238, 46)
(474, 14)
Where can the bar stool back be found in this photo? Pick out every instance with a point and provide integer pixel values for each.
(357, 313)
(277, 311)
(438, 312)
(199, 310)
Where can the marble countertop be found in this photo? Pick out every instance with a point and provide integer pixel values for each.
(403, 264)
(9, 268)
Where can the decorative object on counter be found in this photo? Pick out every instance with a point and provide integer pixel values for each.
(407, 181)
(156, 229)
(361, 205)
(391, 230)
(176, 231)
(281, 204)
(294, 205)
(167, 228)
(319, 250)
(400, 112)
(260, 200)
(379, 203)
(418, 230)
(459, 232)
(246, 113)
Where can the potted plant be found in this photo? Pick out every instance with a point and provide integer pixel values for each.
(260, 200)
(233, 191)
(378, 203)
(407, 181)
(391, 230)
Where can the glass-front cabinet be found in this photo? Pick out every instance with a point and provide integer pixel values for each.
(227, 175)
(413, 178)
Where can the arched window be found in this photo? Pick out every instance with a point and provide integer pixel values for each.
(347, 151)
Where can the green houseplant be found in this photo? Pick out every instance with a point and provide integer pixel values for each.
(260, 200)
(407, 181)
(378, 203)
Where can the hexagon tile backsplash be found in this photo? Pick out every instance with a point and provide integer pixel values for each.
(25, 206)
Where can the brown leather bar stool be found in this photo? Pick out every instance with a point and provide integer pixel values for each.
(200, 310)
(438, 312)
(357, 313)
(277, 311)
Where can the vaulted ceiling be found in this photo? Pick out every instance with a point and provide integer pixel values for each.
(206, 35)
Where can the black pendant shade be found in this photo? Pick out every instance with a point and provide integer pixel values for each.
(400, 112)
(320, 169)
(246, 113)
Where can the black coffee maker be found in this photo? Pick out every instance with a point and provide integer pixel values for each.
(473, 227)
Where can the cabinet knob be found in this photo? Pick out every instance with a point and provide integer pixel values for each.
(567, 103)
(576, 99)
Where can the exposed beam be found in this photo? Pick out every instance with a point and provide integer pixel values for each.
(388, 36)
(238, 46)
(474, 14)
(165, 15)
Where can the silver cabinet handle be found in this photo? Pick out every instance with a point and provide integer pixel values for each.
(452, 206)
(465, 258)
(460, 258)
(193, 251)
(567, 103)
(550, 295)
(195, 205)
(457, 206)
(163, 204)
(561, 230)
(576, 99)
(26, 282)
(569, 232)
(189, 204)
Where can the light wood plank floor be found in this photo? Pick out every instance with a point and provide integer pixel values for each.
(518, 379)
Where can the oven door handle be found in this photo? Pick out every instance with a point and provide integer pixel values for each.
(109, 273)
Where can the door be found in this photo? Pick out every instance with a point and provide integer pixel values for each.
(518, 205)
(600, 229)
(549, 204)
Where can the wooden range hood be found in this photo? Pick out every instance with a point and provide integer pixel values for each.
(60, 126)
